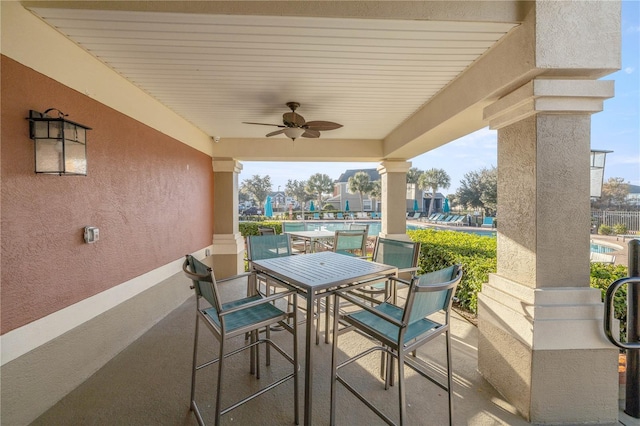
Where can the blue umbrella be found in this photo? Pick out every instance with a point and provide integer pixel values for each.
(268, 208)
(312, 208)
(346, 206)
(415, 205)
(445, 208)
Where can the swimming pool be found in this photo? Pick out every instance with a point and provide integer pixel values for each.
(599, 248)
(376, 226)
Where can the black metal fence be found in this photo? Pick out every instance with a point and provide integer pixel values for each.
(631, 219)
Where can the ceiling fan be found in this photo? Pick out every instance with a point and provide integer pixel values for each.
(294, 125)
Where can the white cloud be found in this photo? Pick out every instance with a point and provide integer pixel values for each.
(629, 70)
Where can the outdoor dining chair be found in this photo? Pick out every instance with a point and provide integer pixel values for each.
(266, 230)
(400, 330)
(401, 254)
(232, 319)
(298, 245)
(351, 242)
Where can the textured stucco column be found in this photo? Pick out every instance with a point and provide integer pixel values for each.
(393, 175)
(541, 342)
(228, 244)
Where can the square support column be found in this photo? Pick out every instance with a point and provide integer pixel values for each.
(227, 257)
(541, 342)
(393, 175)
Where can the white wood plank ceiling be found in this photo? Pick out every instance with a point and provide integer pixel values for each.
(220, 70)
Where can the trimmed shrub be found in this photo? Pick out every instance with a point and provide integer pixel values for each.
(602, 276)
(251, 228)
(476, 254)
(620, 228)
(605, 230)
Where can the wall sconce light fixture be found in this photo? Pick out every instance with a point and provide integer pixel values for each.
(60, 144)
(598, 158)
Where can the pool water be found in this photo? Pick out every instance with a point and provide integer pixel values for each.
(597, 248)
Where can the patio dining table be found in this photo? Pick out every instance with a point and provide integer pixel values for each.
(318, 275)
(312, 237)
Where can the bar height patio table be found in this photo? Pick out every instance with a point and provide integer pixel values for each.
(312, 237)
(316, 275)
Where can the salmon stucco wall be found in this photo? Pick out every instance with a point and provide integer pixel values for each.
(150, 195)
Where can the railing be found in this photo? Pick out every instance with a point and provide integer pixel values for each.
(632, 346)
(631, 219)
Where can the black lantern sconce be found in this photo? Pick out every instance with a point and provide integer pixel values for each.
(60, 144)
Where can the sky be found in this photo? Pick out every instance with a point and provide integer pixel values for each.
(616, 128)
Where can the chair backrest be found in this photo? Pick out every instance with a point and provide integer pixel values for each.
(353, 242)
(340, 215)
(204, 283)
(431, 292)
(266, 230)
(488, 221)
(293, 226)
(401, 254)
(268, 246)
(354, 226)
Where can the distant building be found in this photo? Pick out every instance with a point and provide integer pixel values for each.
(633, 197)
(341, 194)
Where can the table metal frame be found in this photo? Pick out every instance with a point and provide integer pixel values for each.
(315, 276)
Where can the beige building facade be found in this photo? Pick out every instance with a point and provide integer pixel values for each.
(159, 188)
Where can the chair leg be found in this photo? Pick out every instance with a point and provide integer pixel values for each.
(449, 378)
(327, 309)
(401, 391)
(334, 363)
(252, 354)
(220, 377)
(193, 371)
(317, 320)
(258, 353)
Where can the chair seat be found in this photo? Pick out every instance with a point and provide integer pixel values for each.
(379, 326)
(245, 317)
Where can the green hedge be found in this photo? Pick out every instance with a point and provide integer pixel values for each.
(602, 276)
(476, 254)
(251, 228)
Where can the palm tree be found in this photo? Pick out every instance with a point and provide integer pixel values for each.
(376, 191)
(296, 190)
(319, 184)
(361, 184)
(434, 179)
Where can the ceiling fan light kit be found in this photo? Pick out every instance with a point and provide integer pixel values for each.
(295, 126)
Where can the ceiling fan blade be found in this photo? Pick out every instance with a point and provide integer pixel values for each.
(309, 133)
(322, 125)
(277, 132)
(293, 119)
(263, 124)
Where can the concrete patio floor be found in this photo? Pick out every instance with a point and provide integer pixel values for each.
(149, 383)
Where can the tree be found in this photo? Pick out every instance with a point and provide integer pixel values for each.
(413, 175)
(376, 191)
(479, 189)
(296, 190)
(434, 179)
(319, 184)
(257, 187)
(614, 194)
(360, 183)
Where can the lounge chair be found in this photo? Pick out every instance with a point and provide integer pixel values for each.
(316, 216)
(459, 221)
(415, 216)
(328, 216)
(445, 220)
(340, 216)
(602, 258)
(438, 217)
(487, 222)
(362, 215)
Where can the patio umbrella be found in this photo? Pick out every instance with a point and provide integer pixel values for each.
(346, 206)
(268, 208)
(312, 208)
(445, 208)
(415, 205)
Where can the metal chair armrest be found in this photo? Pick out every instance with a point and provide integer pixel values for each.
(370, 309)
(255, 303)
(245, 274)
